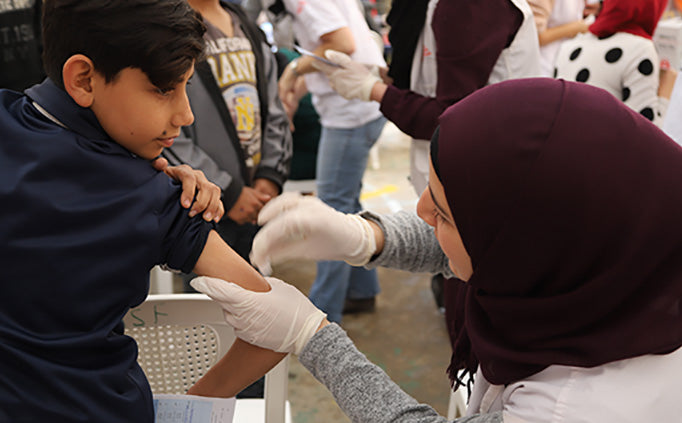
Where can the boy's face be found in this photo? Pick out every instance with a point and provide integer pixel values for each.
(137, 114)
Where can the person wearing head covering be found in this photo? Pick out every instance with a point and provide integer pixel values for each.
(574, 249)
(618, 55)
(565, 232)
(441, 51)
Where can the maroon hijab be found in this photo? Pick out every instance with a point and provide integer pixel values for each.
(570, 206)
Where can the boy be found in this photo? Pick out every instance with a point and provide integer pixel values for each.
(85, 217)
(240, 137)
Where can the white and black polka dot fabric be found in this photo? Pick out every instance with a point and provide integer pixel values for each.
(623, 64)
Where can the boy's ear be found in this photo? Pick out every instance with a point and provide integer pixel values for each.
(78, 74)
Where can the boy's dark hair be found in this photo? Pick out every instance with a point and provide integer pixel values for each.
(160, 37)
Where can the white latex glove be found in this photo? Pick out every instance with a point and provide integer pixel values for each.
(303, 227)
(282, 319)
(352, 80)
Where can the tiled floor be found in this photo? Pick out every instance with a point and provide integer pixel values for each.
(406, 334)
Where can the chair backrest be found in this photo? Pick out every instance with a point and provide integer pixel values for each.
(180, 336)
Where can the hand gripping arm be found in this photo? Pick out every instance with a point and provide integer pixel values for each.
(303, 227)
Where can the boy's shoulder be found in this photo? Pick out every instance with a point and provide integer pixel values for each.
(8, 103)
(78, 174)
(44, 124)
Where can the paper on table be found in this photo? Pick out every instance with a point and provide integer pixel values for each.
(192, 409)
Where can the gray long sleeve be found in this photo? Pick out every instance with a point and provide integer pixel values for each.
(362, 390)
(409, 244)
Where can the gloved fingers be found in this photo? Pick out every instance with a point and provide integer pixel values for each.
(226, 293)
(338, 57)
(262, 249)
(273, 245)
(262, 263)
(303, 322)
(275, 283)
(231, 319)
(278, 205)
(323, 67)
(278, 284)
(285, 231)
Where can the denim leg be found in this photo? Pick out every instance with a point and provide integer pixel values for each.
(341, 163)
(328, 291)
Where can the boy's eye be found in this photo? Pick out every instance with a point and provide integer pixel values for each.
(164, 91)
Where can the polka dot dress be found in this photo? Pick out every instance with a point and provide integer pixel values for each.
(623, 64)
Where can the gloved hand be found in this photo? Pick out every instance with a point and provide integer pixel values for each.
(352, 80)
(303, 227)
(282, 319)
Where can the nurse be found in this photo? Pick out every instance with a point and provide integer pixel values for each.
(565, 230)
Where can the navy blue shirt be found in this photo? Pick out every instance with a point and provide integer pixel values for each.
(83, 221)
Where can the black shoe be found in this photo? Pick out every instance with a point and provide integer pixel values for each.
(359, 305)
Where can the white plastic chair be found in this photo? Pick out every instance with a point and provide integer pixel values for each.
(160, 281)
(303, 186)
(180, 336)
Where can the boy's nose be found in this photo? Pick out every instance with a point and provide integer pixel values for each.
(183, 116)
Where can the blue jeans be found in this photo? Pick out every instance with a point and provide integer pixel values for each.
(341, 163)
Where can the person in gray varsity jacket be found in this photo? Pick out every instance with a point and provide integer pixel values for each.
(240, 137)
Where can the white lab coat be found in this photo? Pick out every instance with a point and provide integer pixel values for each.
(641, 389)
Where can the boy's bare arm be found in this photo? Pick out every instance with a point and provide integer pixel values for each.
(220, 261)
(243, 363)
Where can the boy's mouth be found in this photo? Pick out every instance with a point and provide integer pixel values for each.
(166, 142)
